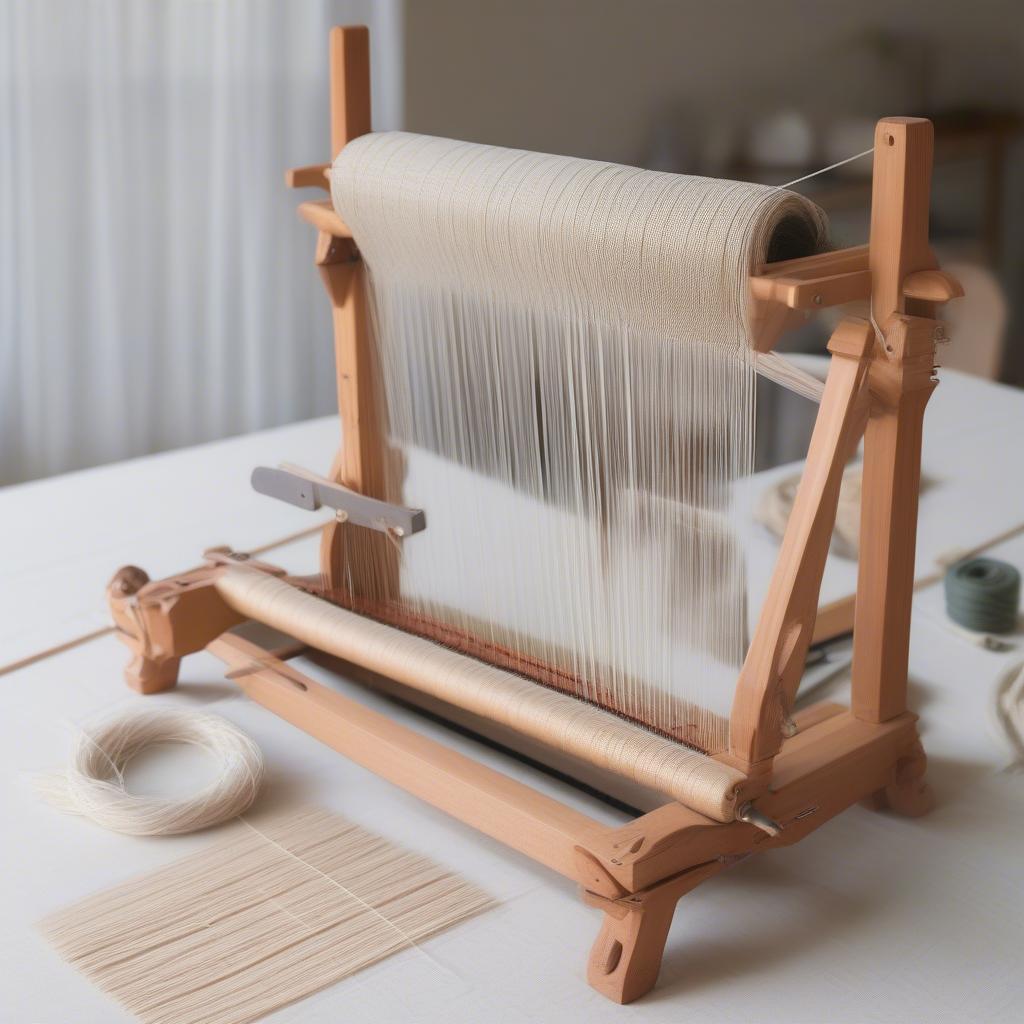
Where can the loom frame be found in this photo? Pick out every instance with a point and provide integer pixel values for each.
(801, 769)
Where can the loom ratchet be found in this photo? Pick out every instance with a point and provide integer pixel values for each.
(307, 490)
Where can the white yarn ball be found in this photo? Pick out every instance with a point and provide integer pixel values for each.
(94, 786)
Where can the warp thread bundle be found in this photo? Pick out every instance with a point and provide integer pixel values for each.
(94, 783)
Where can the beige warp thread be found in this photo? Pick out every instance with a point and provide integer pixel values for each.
(94, 784)
(692, 778)
(669, 253)
(558, 341)
(279, 908)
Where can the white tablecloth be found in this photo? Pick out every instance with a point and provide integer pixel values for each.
(873, 918)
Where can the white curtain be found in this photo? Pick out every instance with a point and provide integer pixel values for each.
(156, 287)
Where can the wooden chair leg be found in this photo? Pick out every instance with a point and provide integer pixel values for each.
(908, 794)
(626, 958)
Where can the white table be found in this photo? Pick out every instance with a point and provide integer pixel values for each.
(873, 918)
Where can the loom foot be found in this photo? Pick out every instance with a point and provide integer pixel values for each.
(148, 675)
(626, 958)
(163, 620)
(909, 793)
(144, 673)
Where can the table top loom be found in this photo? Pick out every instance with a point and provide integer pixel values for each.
(778, 777)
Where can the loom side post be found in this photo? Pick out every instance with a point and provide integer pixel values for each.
(357, 561)
(901, 382)
(350, 84)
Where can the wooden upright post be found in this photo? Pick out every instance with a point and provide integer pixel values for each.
(901, 382)
(350, 85)
(354, 562)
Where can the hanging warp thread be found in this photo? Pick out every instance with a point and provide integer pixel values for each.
(566, 370)
(281, 908)
(94, 784)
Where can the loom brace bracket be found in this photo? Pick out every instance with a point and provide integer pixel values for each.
(307, 490)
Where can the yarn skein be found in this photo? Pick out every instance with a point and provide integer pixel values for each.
(94, 785)
(983, 594)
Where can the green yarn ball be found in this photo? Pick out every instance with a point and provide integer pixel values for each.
(983, 594)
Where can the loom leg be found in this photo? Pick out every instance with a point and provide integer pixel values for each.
(162, 621)
(150, 675)
(909, 793)
(625, 960)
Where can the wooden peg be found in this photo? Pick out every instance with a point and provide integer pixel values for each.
(932, 286)
(316, 176)
(320, 213)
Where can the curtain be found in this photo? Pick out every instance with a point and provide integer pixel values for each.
(156, 287)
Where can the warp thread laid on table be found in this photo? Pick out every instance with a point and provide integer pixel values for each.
(280, 910)
(94, 785)
(983, 595)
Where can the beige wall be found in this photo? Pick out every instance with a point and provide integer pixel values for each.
(585, 77)
(592, 78)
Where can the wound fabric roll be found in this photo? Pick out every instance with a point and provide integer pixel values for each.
(694, 779)
(667, 253)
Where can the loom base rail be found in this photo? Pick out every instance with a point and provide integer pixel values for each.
(634, 873)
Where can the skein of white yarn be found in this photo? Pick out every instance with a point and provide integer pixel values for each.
(94, 785)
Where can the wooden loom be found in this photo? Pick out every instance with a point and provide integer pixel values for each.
(797, 775)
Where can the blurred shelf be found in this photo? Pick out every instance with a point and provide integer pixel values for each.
(959, 135)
